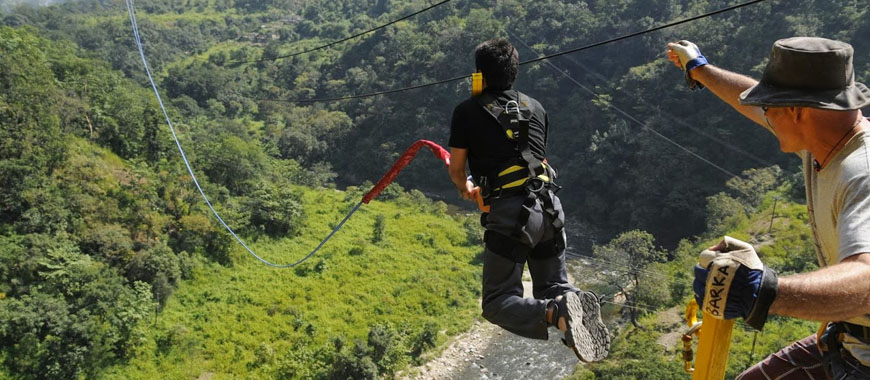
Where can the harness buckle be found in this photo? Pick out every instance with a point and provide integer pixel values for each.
(508, 108)
(484, 188)
(535, 185)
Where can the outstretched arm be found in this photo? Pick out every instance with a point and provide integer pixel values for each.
(728, 86)
(835, 293)
(724, 84)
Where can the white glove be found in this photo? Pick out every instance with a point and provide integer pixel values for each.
(687, 56)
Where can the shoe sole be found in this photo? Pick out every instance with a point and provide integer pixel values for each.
(589, 339)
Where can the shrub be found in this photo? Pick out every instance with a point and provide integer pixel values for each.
(354, 364)
(379, 233)
(275, 210)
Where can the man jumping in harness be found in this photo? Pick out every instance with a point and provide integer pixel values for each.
(502, 134)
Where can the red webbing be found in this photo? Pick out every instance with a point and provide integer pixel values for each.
(403, 161)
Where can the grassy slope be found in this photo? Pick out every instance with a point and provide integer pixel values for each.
(244, 321)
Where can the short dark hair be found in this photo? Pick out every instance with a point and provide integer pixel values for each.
(499, 62)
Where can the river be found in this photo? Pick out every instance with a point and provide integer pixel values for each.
(488, 352)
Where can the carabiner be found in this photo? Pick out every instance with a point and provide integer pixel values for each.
(508, 108)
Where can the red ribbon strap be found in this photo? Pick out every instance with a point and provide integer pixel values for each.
(403, 161)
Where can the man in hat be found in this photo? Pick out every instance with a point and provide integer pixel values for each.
(809, 100)
(502, 135)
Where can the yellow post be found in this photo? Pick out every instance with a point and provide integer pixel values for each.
(476, 84)
(714, 344)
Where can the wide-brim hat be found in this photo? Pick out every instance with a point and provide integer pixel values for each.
(809, 72)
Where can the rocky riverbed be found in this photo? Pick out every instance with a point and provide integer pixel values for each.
(488, 352)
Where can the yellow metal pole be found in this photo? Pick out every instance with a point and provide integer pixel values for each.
(714, 345)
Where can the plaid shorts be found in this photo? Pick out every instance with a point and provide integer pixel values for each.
(802, 360)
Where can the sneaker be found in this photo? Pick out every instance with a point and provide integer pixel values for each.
(586, 333)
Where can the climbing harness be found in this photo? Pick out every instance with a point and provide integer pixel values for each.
(837, 362)
(527, 169)
(526, 175)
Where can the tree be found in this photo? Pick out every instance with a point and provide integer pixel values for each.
(232, 162)
(723, 214)
(354, 363)
(275, 209)
(628, 258)
(386, 348)
(78, 316)
(378, 233)
(31, 144)
(752, 185)
(158, 266)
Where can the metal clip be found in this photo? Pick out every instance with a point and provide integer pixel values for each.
(535, 185)
(688, 355)
(508, 108)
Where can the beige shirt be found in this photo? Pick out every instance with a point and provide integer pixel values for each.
(838, 204)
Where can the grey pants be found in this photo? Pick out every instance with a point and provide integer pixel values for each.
(508, 248)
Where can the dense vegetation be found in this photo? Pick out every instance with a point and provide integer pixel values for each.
(111, 266)
(215, 60)
(777, 228)
(100, 228)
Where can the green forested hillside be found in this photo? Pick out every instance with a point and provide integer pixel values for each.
(111, 265)
(101, 226)
(216, 60)
(371, 303)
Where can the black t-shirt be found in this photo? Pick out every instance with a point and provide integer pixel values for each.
(489, 148)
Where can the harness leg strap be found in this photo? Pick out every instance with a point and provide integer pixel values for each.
(506, 246)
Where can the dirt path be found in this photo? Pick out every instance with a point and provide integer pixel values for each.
(671, 320)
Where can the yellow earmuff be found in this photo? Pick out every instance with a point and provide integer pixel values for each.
(476, 84)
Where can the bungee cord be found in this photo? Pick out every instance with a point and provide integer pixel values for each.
(138, 39)
(404, 160)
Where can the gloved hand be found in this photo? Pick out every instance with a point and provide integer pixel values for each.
(687, 56)
(731, 282)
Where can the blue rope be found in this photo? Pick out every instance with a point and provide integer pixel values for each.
(138, 39)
